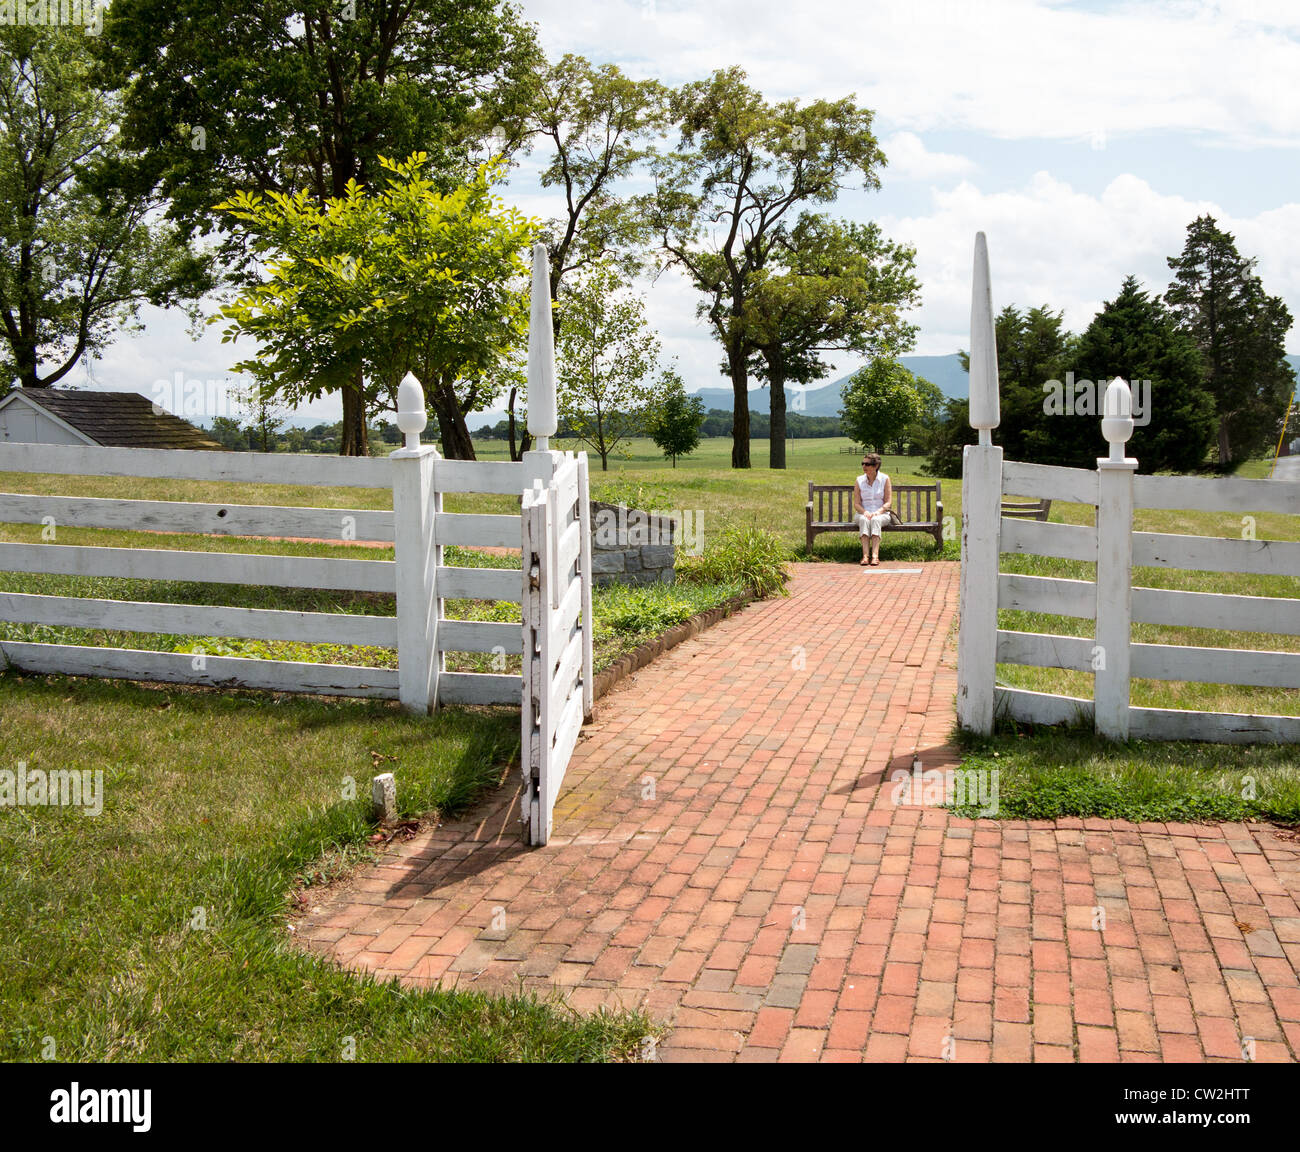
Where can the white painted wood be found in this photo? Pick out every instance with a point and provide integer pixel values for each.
(1226, 494)
(213, 671)
(202, 567)
(478, 688)
(1049, 482)
(565, 681)
(984, 405)
(585, 575)
(977, 635)
(181, 464)
(341, 524)
(1216, 665)
(1213, 554)
(1114, 582)
(567, 729)
(480, 636)
(1042, 707)
(565, 617)
(478, 530)
(1217, 610)
(1213, 727)
(418, 610)
(544, 540)
(200, 620)
(1044, 650)
(1043, 538)
(570, 548)
(478, 584)
(491, 477)
(1047, 594)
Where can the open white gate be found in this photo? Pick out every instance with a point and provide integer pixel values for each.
(557, 664)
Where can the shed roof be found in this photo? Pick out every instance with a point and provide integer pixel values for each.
(117, 419)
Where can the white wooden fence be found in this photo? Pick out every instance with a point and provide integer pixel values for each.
(553, 531)
(557, 667)
(1110, 601)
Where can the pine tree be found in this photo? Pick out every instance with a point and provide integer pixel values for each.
(1136, 337)
(1221, 305)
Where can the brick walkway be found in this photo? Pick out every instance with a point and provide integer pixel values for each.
(726, 857)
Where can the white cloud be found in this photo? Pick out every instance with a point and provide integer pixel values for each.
(908, 159)
(1052, 244)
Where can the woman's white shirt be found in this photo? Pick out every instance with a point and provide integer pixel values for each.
(872, 495)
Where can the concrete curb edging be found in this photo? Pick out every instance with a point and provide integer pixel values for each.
(641, 656)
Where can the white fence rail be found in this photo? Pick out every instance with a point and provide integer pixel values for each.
(1110, 600)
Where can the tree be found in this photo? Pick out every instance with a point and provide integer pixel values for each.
(722, 200)
(1221, 305)
(266, 417)
(598, 125)
(371, 286)
(606, 358)
(880, 400)
(290, 96)
(950, 434)
(917, 436)
(79, 253)
(228, 432)
(829, 285)
(1033, 349)
(676, 428)
(1135, 336)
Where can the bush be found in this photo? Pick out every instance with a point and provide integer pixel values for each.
(751, 557)
(654, 608)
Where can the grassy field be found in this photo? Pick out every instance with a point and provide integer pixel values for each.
(158, 930)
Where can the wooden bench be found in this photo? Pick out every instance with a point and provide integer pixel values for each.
(830, 509)
(1030, 510)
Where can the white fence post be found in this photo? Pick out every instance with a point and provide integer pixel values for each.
(585, 575)
(415, 510)
(1114, 567)
(981, 512)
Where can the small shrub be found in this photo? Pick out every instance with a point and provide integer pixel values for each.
(751, 557)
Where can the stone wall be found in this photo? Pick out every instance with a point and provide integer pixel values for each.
(629, 546)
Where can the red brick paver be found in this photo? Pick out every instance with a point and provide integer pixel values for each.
(729, 855)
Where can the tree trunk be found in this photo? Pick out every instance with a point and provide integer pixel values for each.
(1225, 453)
(740, 405)
(355, 442)
(527, 442)
(776, 442)
(456, 442)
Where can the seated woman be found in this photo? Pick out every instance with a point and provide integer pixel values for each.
(871, 496)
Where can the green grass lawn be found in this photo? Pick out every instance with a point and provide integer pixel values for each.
(158, 930)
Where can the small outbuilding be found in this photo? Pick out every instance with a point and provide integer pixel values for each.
(108, 419)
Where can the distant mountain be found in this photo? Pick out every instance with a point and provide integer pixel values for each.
(944, 371)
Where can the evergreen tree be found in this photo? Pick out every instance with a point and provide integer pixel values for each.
(1136, 337)
(1221, 305)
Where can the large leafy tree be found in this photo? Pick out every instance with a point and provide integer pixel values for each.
(372, 285)
(80, 246)
(597, 126)
(291, 96)
(607, 358)
(729, 192)
(1134, 336)
(1222, 306)
(880, 400)
(829, 285)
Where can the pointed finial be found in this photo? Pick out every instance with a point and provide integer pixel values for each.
(541, 353)
(984, 409)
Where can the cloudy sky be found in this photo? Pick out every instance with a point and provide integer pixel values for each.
(1081, 136)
